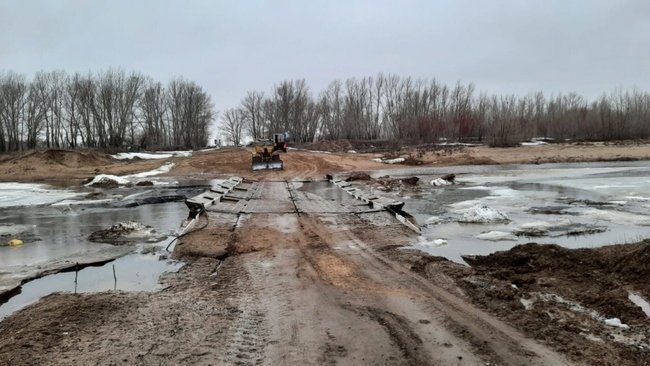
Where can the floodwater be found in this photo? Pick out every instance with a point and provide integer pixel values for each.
(574, 205)
(54, 225)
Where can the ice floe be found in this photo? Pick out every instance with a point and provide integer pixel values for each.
(481, 214)
(424, 241)
(496, 236)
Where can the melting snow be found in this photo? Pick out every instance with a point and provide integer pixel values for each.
(151, 155)
(165, 168)
(616, 322)
(640, 302)
(126, 179)
(103, 177)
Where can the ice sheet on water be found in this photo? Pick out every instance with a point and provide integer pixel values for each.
(497, 236)
(28, 194)
(11, 229)
(617, 217)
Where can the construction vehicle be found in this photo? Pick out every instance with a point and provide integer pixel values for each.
(267, 152)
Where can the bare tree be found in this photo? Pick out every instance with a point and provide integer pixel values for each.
(232, 125)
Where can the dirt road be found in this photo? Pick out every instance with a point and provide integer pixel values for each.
(295, 285)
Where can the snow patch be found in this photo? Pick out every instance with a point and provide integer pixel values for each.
(640, 302)
(104, 178)
(165, 168)
(481, 214)
(616, 322)
(151, 155)
(393, 161)
(127, 179)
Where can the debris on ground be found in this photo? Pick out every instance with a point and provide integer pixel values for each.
(445, 180)
(127, 232)
(389, 184)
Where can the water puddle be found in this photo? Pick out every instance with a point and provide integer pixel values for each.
(324, 190)
(133, 272)
(56, 236)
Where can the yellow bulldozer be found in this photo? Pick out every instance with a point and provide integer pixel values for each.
(267, 152)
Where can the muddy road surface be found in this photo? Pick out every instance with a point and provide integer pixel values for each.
(281, 274)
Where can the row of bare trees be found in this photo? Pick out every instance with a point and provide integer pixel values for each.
(392, 107)
(108, 110)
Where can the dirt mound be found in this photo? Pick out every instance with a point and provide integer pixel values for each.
(635, 265)
(625, 262)
(68, 158)
(599, 278)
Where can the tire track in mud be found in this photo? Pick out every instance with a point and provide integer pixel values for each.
(494, 340)
(243, 341)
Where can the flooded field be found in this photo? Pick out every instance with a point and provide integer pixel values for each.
(494, 208)
(54, 225)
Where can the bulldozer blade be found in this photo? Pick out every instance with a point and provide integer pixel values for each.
(271, 165)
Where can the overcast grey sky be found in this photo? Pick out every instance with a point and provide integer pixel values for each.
(229, 47)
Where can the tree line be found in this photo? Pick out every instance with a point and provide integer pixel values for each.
(428, 111)
(106, 110)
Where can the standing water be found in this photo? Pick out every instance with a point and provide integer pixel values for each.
(494, 208)
(55, 236)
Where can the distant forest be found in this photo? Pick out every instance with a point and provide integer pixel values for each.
(107, 110)
(427, 111)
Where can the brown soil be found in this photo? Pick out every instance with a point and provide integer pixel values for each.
(66, 167)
